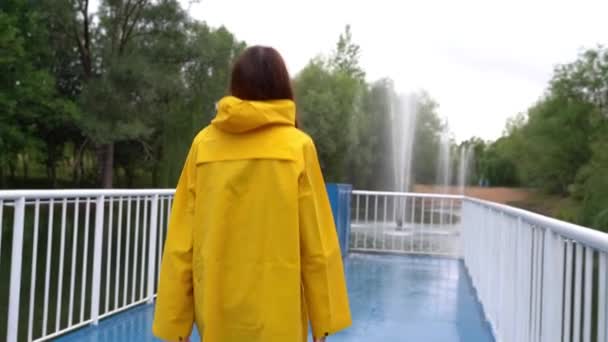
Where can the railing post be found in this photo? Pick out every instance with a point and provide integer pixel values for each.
(549, 325)
(558, 263)
(152, 248)
(97, 257)
(15, 280)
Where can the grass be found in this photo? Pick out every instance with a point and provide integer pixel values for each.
(562, 208)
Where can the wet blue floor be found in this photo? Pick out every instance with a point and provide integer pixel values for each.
(393, 298)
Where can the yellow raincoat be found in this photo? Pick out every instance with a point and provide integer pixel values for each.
(251, 253)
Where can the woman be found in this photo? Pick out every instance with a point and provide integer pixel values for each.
(252, 253)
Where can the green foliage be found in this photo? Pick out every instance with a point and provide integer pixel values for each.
(496, 164)
(33, 116)
(428, 134)
(210, 55)
(556, 141)
(351, 120)
(592, 185)
(325, 105)
(120, 88)
(115, 94)
(561, 145)
(331, 95)
(375, 134)
(346, 57)
(476, 171)
(585, 80)
(126, 89)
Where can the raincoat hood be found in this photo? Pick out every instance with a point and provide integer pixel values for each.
(238, 116)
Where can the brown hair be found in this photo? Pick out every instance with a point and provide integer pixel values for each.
(260, 74)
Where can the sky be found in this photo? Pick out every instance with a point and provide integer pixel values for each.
(482, 61)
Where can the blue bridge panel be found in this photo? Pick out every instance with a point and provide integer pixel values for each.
(393, 298)
(339, 198)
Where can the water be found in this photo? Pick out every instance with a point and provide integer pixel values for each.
(465, 160)
(392, 298)
(444, 163)
(403, 126)
(403, 116)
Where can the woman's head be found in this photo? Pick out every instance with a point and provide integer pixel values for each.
(260, 74)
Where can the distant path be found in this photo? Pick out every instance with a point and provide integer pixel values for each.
(500, 195)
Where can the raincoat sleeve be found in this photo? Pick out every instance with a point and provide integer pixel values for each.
(324, 285)
(174, 316)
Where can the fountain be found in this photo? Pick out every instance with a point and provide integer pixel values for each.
(403, 115)
(444, 163)
(444, 169)
(410, 221)
(466, 158)
(403, 130)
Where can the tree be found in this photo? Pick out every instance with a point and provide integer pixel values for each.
(351, 120)
(319, 115)
(77, 82)
(426, 142)
(377, 133)
(560, 144)
(205, 73)
(330, 94)
(207, 70)
(12, 136)
(104, 43)
(592, 185)
(557, 143)
(345, 58)
(35, 116)
(496, 164)
(585, 80)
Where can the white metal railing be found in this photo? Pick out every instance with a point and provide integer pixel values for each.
(78, 255)
(538, 278)
(82, 255)
(406, 223)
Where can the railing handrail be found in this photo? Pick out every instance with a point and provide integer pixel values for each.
(63, 193)
(587, 236)
(407, 194)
